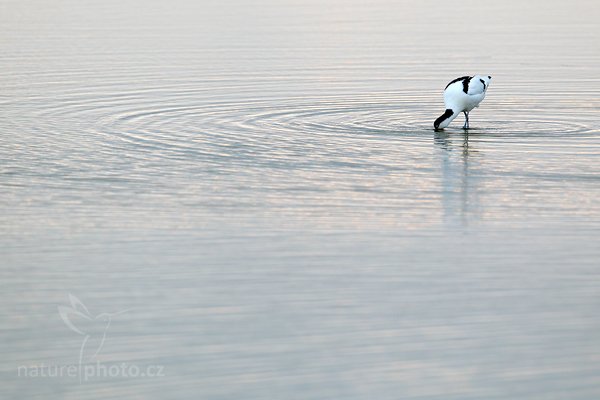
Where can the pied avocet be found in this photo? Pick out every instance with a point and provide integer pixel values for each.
(462, 95)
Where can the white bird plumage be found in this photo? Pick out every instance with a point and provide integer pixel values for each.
(462, 95)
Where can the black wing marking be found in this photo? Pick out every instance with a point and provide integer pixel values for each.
(465, 80)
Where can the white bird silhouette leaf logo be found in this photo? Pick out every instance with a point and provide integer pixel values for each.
(94, 328)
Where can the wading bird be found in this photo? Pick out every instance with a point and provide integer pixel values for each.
(461, 96)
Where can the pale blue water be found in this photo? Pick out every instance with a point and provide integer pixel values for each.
(259, 186)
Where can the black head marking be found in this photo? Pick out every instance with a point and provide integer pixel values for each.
(489, 77)
(447, 114)
(481, 80)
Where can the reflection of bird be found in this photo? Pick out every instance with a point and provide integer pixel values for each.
(87, 325)
(462, 95)
(460, 191)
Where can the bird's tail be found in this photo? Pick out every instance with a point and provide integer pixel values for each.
(445, 119)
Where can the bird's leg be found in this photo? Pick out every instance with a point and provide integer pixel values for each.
(466, 125)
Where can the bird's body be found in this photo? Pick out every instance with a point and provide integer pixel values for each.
(461, 96)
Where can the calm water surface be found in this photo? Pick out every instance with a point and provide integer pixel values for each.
(259, 186)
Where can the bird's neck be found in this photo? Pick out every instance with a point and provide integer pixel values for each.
(445, 119)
